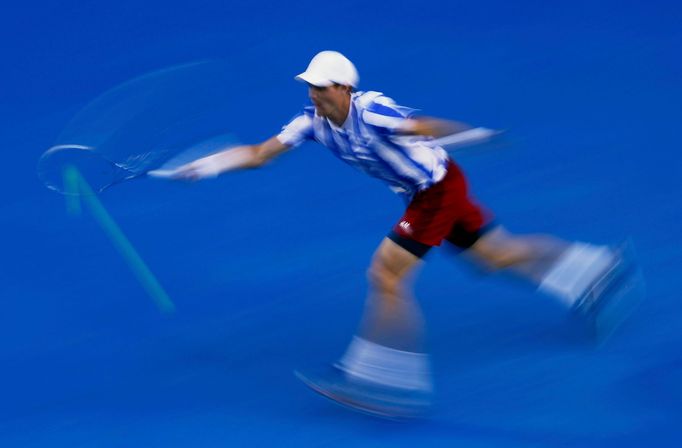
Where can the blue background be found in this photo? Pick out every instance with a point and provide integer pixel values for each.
(267, 268)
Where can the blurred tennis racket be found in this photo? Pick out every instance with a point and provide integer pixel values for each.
(101, 172)
(160, 120)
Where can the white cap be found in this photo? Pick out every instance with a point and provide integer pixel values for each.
(330, 67)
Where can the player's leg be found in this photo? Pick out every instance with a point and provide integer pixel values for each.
(528, 255)
(389, 346)
(563, 269)
(384, 371)
(601, 284)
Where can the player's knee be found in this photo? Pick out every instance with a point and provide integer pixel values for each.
(382, 280)
(375, 276)
(503, 258)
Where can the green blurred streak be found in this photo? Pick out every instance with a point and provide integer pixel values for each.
(125, 248)
(73, 203)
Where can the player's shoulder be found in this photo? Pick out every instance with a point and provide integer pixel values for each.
(302, 121)
(304, 117)
(364, 100)
(376, 108)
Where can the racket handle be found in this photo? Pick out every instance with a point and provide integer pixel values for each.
(162, 174)
(468, 137)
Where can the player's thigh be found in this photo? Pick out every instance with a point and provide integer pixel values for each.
(391, 262)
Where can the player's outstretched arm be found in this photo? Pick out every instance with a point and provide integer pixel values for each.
(448, 133)
(239, 157)
(434, 127)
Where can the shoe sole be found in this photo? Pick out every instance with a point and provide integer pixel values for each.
(349, 403)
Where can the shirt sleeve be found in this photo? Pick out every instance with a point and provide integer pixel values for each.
(386, 116)
(299, 129)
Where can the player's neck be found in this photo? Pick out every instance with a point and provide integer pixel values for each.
(341, 114)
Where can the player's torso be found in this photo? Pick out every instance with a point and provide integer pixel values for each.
(355, 142)
(389, 158)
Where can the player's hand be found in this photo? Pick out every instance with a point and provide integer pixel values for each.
(204, 168)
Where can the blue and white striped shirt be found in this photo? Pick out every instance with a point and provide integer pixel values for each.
(370, 140)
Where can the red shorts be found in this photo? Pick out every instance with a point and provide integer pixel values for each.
(444, 211)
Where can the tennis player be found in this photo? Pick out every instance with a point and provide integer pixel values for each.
(386, 370)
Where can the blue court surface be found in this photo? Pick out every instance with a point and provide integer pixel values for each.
(266, 269)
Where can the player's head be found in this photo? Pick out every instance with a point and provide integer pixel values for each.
(328, 68)
(331, 77)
